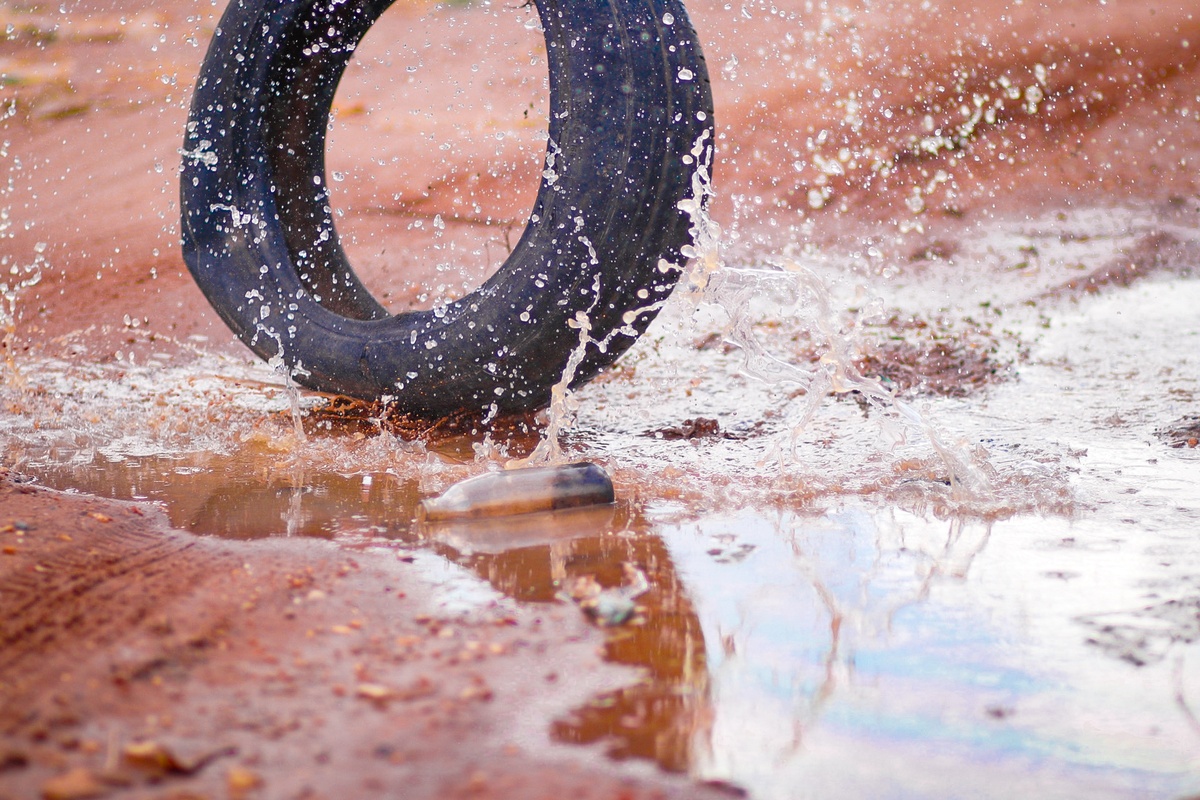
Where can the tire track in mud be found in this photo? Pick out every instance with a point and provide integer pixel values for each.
(72, 588)
(61, 592)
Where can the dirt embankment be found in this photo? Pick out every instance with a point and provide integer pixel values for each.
(137, 661)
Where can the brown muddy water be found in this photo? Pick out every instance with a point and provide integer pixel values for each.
(909, 465)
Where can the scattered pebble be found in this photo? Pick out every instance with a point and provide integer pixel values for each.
(610, 607)
(241, 781)
(77, 784)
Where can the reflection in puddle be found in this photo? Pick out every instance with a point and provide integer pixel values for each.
(847, 653)
(846, 659)
(505, 534)
(237, 498)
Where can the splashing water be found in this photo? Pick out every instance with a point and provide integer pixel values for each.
(19, 278)
(562, 403)
(736, 292)
(292, 390)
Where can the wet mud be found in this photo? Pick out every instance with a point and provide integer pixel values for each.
(142, 661)
(907, 465)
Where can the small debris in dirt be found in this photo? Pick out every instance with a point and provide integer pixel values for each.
(610, 607)
(476, 691)
(156, 760)
(381, 695)
(12, 759)
(241, 781)
(77, 784)
(1183, 432)
(714, 340)
(373, 691)
(1061, 575)
(99, 517)
(698, 428)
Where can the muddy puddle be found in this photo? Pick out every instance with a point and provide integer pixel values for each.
(985, 584)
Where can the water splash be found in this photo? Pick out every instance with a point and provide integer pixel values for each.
(19, 277)
(970, 473)
(288, 374)
(797, 292)
(563, 405)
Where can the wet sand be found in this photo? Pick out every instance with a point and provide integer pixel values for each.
(908, 128)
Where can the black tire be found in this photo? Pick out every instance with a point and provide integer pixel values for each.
(629, 98)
